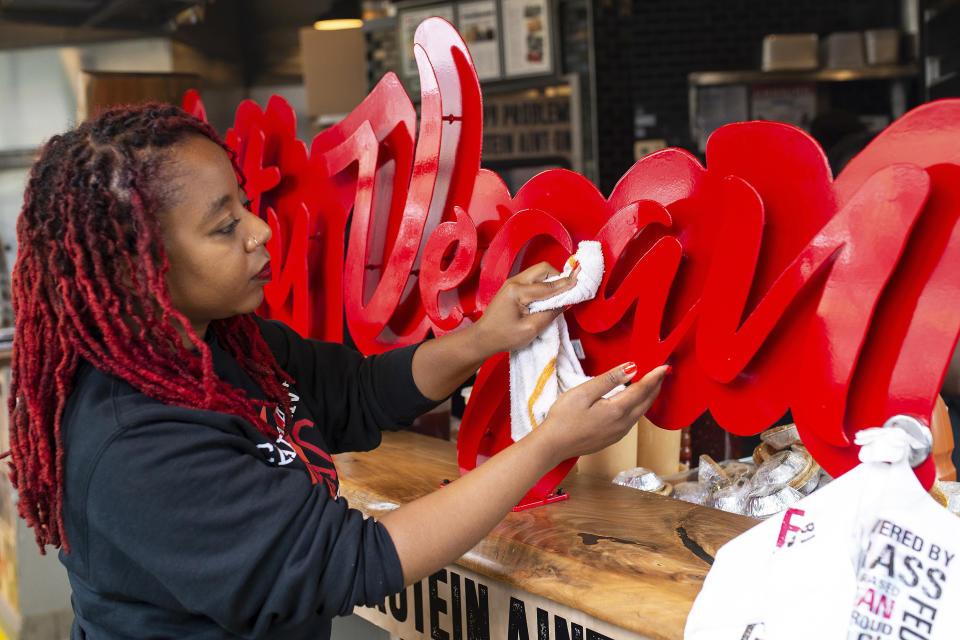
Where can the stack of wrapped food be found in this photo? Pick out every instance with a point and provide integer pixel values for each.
(781, 472)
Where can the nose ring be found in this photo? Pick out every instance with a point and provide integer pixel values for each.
(256, 241)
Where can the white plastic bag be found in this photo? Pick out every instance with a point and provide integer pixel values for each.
(870, 556)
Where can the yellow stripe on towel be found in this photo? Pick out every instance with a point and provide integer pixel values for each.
(537, 390)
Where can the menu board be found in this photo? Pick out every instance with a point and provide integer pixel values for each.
(517, 126)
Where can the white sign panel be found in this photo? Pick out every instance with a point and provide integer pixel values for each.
(409, 20)
(527, 38)
(794, 104)
(481, 32)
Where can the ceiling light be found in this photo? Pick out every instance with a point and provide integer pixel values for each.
(335, 25)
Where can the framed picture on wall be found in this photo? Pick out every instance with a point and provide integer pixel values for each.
(479, 25)
(408, 20)
(527, 37)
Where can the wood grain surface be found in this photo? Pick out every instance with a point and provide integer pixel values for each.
(631, 558)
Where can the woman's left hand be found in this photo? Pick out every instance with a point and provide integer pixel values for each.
(507, 323)
(442, 364)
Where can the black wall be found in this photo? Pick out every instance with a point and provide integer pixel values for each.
(646, 48)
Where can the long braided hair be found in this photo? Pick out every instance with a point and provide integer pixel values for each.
(89, 284)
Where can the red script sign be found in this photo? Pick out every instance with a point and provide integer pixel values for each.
(764, 281)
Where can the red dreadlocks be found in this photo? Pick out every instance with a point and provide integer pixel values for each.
(89, 283)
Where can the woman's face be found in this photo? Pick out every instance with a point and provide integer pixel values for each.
(215, 246)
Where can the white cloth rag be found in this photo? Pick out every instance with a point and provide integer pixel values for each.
(871, 555)
(548, 366)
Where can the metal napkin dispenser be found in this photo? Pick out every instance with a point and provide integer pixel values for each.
(790, 51)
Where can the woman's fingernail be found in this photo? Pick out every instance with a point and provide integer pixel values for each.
(573, 263)
(669, 369)
(629, 369)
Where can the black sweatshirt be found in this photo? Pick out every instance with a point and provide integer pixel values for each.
(186, 523)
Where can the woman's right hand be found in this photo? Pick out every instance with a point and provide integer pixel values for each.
(582, 421)
(438, 528)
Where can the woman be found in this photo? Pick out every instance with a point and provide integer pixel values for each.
(177, 447)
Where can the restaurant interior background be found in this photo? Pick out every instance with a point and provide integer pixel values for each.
(590, 85)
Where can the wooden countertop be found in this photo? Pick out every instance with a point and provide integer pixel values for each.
(631, 558)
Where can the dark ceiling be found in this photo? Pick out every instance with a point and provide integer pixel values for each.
(255, 34)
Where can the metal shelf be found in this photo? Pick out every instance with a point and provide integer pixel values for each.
(879, 72)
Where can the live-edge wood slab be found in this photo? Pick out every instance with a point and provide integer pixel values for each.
(631, 558)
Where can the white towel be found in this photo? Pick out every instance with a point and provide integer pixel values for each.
(548, 366)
